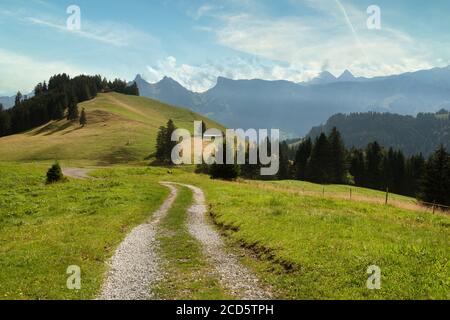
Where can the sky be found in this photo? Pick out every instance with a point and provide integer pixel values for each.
(195, 41)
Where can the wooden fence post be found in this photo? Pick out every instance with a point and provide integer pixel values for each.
(434, 207)
(323, 192)
(387, 196)
(350, 193)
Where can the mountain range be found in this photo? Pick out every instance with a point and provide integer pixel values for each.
(295, 108)
(8, 102)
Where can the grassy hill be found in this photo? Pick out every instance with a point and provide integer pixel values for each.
(120, 129)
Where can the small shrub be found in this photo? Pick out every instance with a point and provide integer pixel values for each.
(54, 174)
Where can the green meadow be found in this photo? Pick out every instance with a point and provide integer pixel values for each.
(305, 247)
(301, 242)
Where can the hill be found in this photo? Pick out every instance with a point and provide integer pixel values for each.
(413, 135)
(120, 129)
(295, 108)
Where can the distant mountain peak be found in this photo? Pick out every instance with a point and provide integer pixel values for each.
(169, 80)
(346, 76)
(323, 78)
(221, 79)
(326, 75)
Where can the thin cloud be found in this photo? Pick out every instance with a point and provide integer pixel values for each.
(108, 33)
(309, 43)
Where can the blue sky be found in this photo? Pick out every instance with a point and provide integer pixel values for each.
(196, 41)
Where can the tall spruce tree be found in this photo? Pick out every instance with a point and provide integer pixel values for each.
(164, 143)
(284, 172)
(5, 121)
(374, 158)
(358, 167)
(435, 186)
(18, 99)
(161, 147)
(319, 166)
(338, 158)
(414, 171)
(72, 111)
(302, 157)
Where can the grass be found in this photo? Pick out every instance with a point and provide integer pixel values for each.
(46, 228)
(310, 247)
(305, 247)
(302, 186)
(188, 275)
(121, 129)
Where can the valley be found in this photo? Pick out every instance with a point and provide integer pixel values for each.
(243, 239)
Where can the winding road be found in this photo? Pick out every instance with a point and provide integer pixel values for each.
(135, 266)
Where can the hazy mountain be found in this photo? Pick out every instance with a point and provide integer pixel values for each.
(347, 76)
(296, 108)
(413, 135)
(168, 91)
(324, 77)
(7, 102)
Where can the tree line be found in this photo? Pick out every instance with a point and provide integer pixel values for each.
(56, 100)
(326, 160)
(413, 135)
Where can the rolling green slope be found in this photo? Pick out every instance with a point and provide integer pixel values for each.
(121, 129)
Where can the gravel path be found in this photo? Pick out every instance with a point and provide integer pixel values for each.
(77, 173)
(233, 275)
(135, 265)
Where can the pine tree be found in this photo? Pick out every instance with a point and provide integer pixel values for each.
(83, 118)
(54, 174)
(374, 157)
(319, 166)
(435, 185)
(283, 172)
(5, 121)
(164, 143)
(338, 158)
(18, 99)
(58, 112)
(72, 112)
(301, 158)
(414, 172)
(161, 144)
(169, 143)
(358, 167)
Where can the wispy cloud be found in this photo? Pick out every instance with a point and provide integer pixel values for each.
(120, 35)
(202, 77)
(31, 72)
(336, 39)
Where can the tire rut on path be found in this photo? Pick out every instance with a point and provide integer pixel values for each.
(234, 276)
(135, 266)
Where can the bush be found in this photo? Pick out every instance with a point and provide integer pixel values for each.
(54, 174)
(224, 171)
